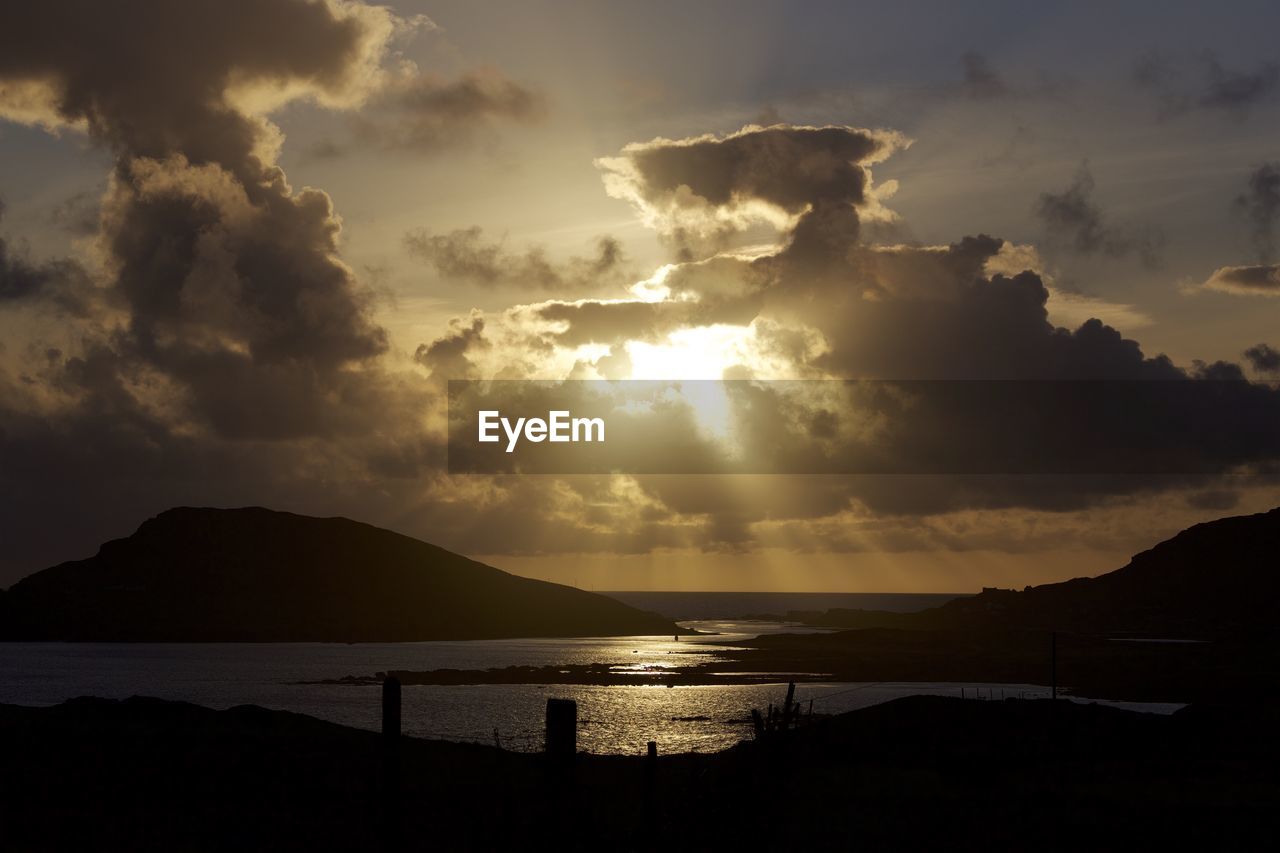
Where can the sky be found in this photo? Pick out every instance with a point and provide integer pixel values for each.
(244, 246)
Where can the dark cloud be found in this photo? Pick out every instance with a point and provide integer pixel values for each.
(446, 357)
(702, 189)
(1258, 280)
(1261, 204)
(423, 114)
(150, 78)
(1264, 358)
(790, 167)
(1204, 83)
(588, 321)
(231, 280)
(924, 313)
(832, 304)
(464, 255)
(1072, 215)
(232, 355)
(61, 283)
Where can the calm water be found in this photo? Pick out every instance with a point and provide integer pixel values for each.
(613, 719)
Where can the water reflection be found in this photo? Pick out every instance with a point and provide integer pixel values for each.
(613, 719)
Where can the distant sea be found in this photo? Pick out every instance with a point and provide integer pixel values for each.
(735, 605)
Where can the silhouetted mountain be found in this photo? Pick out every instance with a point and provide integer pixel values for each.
(1220, 576)
(257, 575)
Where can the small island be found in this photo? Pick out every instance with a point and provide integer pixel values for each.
(256, 575)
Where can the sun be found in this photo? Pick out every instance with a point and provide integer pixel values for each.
(704, 352)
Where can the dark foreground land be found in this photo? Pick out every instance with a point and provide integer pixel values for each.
(919, 773)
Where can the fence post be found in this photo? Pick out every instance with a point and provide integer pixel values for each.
(649, 796)
(562, 730)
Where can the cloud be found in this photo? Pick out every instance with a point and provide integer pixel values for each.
(235, 357)
(1073, 216)
(224, 350)
(422, 113)
(707, 187)
(152, 78)
(232, 304)
(464, 255)
(1182, 85)
(1258, 280)
(828, 303)
(60, 283)
(1264, 359)
(446, 357)
(1261, 204)
(1066, 307)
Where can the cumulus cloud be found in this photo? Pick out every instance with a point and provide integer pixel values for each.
(465, 255)
(707, 187)
(1071, 215)
(231, 351)
(238, 360)
(829, 303)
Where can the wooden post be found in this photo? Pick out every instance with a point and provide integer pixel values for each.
(562, 730)
(789, 710)
(391, 710)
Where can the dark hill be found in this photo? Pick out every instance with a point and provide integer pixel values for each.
(1218, 577)
(257, 575)
(920, 773)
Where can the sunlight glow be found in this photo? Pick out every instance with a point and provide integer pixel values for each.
(703, 352)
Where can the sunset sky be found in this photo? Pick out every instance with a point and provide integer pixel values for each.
(244, 246)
